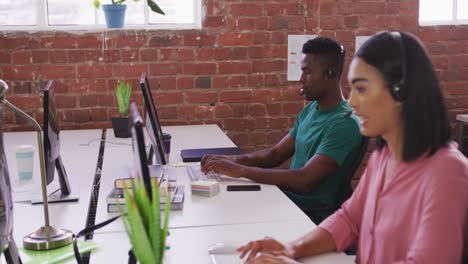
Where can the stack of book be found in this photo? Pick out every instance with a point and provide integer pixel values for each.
(116, 201)
(205, 188)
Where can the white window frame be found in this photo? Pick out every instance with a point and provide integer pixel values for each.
(43, 24)
(453, 21)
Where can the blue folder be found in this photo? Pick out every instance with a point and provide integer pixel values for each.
(194, 155)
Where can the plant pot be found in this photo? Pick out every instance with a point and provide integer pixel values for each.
(115, 15)
(122, 127)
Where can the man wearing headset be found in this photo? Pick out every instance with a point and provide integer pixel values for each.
(322, 143)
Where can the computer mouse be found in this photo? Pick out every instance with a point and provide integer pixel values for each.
(222, 248)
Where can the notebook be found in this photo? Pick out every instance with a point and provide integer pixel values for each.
(194, 155)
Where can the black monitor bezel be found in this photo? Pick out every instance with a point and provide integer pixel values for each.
(138, 135)
(57, 163)
(152, 113)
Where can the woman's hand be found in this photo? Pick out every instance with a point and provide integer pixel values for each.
(265, 258)
(266, 245)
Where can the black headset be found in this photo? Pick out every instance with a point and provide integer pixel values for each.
(397, 88)
(332, 71)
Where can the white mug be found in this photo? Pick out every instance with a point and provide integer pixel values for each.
(25, 162)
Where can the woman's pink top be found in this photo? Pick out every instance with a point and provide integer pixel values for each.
(419, 216)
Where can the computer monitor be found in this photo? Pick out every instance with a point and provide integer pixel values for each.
(6, 205)
(153, 126)
(139, 148)
(51, 134)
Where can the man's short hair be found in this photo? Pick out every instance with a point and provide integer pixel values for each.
(330, 50)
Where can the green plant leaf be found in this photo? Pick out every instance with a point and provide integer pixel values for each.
(96, 3)
(155, 225)
(166, 225)
(123, 91)
(143, 222)
(138, 236)
(155, 8)
(144, 205)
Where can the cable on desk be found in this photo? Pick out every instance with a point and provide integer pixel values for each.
(93, 202)
(105, 141)
(85, 232)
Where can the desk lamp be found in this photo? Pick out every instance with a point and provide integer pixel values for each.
(47, 236)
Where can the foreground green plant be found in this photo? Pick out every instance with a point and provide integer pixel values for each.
(143, 223)
(123, 91)
(153, 6)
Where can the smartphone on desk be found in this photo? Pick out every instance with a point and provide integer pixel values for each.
(235, 188)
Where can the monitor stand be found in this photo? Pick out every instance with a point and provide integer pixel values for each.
(149, 161)
(155, 159)
(64, 193)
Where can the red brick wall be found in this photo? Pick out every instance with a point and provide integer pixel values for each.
(232, 72)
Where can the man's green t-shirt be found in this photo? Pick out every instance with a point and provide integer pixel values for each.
(326, 132)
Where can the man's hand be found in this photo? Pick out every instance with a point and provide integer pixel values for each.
(206, 158)
(266, 245)
(224, 166)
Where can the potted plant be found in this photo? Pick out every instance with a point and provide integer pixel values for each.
(143, 224)
(115, 12)
(121, 124)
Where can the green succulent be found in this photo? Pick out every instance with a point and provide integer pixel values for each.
(143, 223)
(153, 6)
(123, 91)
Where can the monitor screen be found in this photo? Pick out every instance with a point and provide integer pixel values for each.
(52, 140)
(6, 204)
(139, 148)
(152, 121)
(51, 131)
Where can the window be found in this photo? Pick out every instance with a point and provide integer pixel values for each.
(443, 12)
(81, 14)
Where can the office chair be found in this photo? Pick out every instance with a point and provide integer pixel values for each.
(345, 190)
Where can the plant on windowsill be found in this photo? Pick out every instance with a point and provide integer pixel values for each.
(143, 224)
(115, 12)
(121, 124)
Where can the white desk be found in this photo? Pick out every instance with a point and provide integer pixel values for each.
(80, 164)
(189, 245)
(239, 216)
(462, 120)
(268, 205)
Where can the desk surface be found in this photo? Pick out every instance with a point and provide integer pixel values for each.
(240, 216)
(80, 164)
(463, 118)
(190, 245)
(268, 205)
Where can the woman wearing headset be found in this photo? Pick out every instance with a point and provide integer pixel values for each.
(411, 205)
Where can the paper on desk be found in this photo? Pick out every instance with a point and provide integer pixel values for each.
(55, 255)
(176, 164)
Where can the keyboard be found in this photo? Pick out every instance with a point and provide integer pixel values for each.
(195, 174)
(226, 259)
